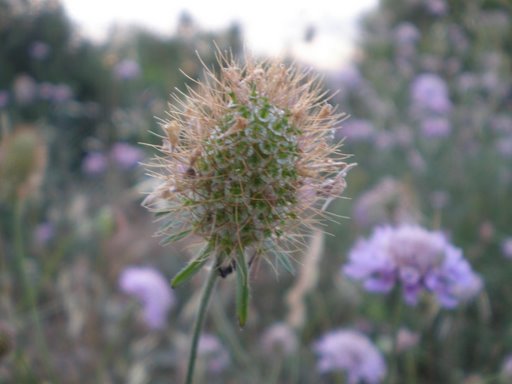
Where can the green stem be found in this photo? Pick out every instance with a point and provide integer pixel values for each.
(29, 296)
(397, 313)
(198, 326)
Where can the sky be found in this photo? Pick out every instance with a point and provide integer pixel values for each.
(269, 27)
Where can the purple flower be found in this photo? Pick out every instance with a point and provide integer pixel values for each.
(416, 259)
(94, 163)
(430, 93)
(39, 50)
(350, 352)
(504, 146)
(390, 201)
(213, 353)
(43, 233)
(4, 98)
(127, 69)
(506, 368)
(356, 130)
(406, 34)
(125, 155)
(62, 93)
(506, 247)
(25, 89)
(279, 338)
(436, 7)
(435, 128)
(150, 287)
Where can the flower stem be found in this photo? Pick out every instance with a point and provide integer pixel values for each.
(198, 326)
(29, 296)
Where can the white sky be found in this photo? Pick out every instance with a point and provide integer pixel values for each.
(269, 26)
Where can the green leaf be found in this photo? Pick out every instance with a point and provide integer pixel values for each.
(175, 237)
(191, 268)
(242, 287)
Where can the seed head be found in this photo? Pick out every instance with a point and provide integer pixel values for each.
(239, 152)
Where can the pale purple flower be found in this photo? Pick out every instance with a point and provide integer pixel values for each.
(213, 353)
(350, 77)
(435, 128)
(406, 33)
(61, 93)
(39, 50)
(127, 69)
(389, 201)
(94, 163)
(436, 7)
(352, 353)
(506, 247)
(43, 233)
(356, 130)
(430, 93)
(415, 259)
(506, 368)
(4, 98)
(125, 155)
(279, 338)
(504, 146)
(25, 89)
(153, 292)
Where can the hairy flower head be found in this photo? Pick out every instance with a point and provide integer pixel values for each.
(246, 159)
(416, 259)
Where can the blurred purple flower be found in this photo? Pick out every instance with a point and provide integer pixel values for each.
(435, 128)
(125, 155)
(506, 247)
(406, 33)
(504, 146)
(4, 98)
(151, 289)
(430, 92)
(350, 352)
(62, 93)
(46, 90)
(279, 338)
(436, 7)
(39, 50)
(94, 163)
(506, 368)
(127, 69)
(350, 77)
(356, 130)
(417, 259)
(25, 89)
(43, 233)
(213, 353)
(389, 201)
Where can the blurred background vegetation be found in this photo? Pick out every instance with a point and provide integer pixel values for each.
(430, 93)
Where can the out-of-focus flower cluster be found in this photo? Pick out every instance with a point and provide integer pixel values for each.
(153, 292)
(352, 353)
(415, 259)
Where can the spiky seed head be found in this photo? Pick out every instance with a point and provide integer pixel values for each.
(240, 151)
